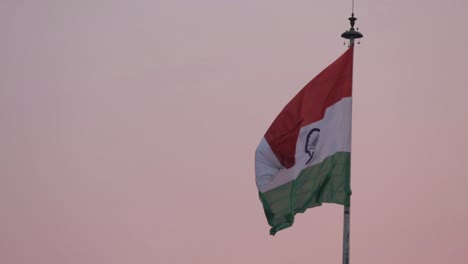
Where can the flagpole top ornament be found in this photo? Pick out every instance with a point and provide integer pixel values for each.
(352, 34)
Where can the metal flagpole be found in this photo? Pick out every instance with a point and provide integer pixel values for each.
(350, 34)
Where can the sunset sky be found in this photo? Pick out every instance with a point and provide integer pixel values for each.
(128, 130)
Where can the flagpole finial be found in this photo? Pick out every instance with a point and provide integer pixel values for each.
(352, 34)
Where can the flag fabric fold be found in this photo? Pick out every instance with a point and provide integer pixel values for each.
(303, 160)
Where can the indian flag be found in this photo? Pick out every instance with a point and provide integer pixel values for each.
(304, 158)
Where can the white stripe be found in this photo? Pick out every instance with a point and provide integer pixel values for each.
(335, 136)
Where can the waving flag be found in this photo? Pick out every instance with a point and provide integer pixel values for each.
(304, 158)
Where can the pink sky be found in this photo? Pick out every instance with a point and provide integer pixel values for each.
(128, 130)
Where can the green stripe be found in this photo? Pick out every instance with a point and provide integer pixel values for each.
(326, 182)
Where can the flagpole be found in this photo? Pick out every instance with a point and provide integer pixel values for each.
(351, 35)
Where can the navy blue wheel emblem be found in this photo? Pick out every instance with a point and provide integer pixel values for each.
(311, 143)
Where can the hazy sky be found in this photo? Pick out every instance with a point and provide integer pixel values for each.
(128, 130)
